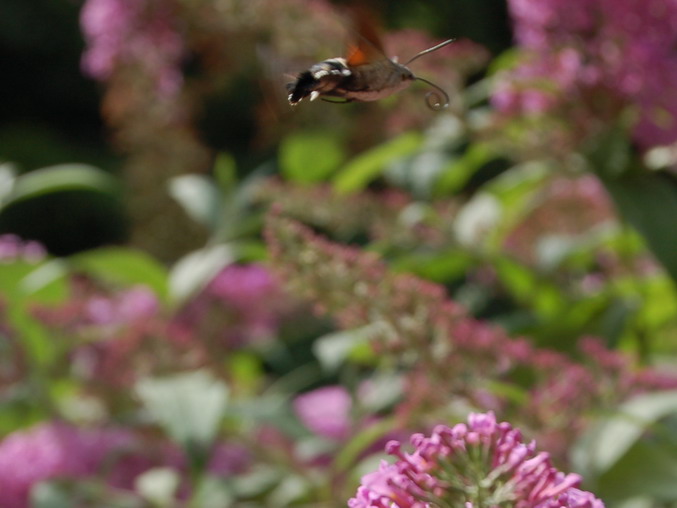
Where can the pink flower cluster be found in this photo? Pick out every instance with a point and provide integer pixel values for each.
(12, 248)
(479, 464)
(240, 304)
(591, 59)
(50, 451)
(133, 32)
(136, 304)
(116, 456)
(325, 411)
(447, 353)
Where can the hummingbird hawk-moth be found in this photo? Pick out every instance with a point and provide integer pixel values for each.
(366, 74)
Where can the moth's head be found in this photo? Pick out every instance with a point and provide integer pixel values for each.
(406, 74)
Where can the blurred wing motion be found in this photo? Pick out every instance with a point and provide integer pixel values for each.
(366, 47)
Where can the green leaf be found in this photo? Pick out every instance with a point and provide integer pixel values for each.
(333, 349)
(647, 469)
(385, 389)
(192, 272)
(7, 179)
(514, 190)
(188, 406)
(212, 492)
(350, 452)
(199, 197)
(360, 171)
(609, 154)
(50, 495)
(158, 485)
(23, 285)
(124, 266)
(310, 157)
(649, 203)
(439, 267)
(506, 60)
(526, 287)
(611, 438)
(458, 171)
(225, 172)
(255, 482)
(42, 282)
(63, 177)
(290, 491)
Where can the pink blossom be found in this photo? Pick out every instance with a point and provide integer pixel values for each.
(50, 451)
(325, 411)
(132, 32)
(115, 455)
(136, 304)
(589, 60)
(12, 248)
(242, 286)
(240, 305)
(481, 463)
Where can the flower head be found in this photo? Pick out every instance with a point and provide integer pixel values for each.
(50, 451)
(240, 305)
(588, 61)
(325, 411)
(479, 464)
(137, 32)
(12, 248)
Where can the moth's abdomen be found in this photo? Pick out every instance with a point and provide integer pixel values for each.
(322, 78)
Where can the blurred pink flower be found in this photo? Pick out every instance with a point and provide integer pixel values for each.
(53, 450)
(481, 464)
(14, 248)
(595, 58)
(242, 286)
(126, 307)
(133, 32)
(117, 456)
(228, 459)
(240, 305)
(325, 411)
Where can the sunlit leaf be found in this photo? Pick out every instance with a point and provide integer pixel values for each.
(188, 406)
(225, 172)
(158, 485)
(526, 286)
(192, 272)
(212, 493)
(438, 267)
(123, 266)
(63, 177)
(359, 442)
(361, 170)
(50, 495)
(649, 203)
(309, 157)
(333, 349)
(198, 196)
(612, 437)
(458, 171)
(647, 469)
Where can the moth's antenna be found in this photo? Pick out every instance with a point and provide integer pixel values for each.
(434, 99)
(429, 50)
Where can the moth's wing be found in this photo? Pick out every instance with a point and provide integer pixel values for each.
(365, 46)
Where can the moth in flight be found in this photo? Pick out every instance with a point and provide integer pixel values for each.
(366, 74)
